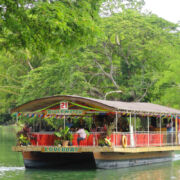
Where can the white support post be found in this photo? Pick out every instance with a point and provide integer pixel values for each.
(135, 127)
(64, 121)
(34, 129)
(40, 124)
(116, 121)
(172, 130)
(148, 129)
(131, 132)
(160, 130)
(115, 134)
(130, 123)
(176, 129)
(16, 117)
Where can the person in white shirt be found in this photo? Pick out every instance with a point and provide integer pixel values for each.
(81, 134)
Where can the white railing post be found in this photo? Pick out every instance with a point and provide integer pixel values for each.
(172, 130)
(16, 117)
(131, 132)
(64, 121)
(116, 121)
(135, 128)
(176, 127)
(94, 139)
(160, 129)
(115, 134)
(148, 129)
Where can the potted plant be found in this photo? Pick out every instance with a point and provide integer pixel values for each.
(57, 142)
(104, 141)
(101, 142)
(110, 130)
(65, 136)
(23, 140)
(105, 138)
(23, 137)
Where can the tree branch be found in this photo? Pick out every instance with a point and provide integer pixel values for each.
(96, 91)
(110, 92)
(109, 75)
(145, 93)
(93, 76)
(29, 63)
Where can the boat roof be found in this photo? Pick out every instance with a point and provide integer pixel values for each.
(130, 107)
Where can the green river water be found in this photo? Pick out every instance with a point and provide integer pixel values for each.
(12, 168)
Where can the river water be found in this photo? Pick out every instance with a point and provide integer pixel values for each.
(12, 168)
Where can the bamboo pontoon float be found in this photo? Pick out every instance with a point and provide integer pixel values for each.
(141, 133)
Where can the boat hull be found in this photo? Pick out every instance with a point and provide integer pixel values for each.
(86, 160)
(59, 160)
(123, 160)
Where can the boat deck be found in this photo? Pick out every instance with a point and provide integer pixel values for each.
(76, 149)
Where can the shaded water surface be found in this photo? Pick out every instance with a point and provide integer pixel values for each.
(12, 168)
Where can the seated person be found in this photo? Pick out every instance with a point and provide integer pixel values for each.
(81, 134)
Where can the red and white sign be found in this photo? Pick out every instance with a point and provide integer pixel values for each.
(63, 105)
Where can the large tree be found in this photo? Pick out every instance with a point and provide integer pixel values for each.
(33, 31)
(129, 57)
(136, 54)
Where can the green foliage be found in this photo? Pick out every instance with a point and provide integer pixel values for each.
(23, 140)
(110, 129)
(35, 35)
(5, 118)
(169, 85)
(31, 121)
(111, 7)
(64, 134)
(39, 25)
(129, 56)
(54, 123)
(65, 47)
(57, 142)
(101, 142)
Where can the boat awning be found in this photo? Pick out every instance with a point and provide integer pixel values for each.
(130, 107)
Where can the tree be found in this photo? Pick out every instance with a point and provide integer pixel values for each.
(37, 25)
(111, 7)
(167, 89)
(32, 31)
(129, 57)
(134, 58)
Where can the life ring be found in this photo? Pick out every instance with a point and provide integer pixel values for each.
(124, 141)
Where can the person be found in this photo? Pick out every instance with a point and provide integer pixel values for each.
(93, 128)
(104, 125)
(26, 129)
(72, 129)
(169, 132)
(105, 128)
(69, 124)
(81, 134)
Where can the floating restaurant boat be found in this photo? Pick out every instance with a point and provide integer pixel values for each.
(135, 133)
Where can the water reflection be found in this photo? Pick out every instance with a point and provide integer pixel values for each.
(166, 171)
(11, 167)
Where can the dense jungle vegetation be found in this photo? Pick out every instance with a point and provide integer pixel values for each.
(95, 48)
